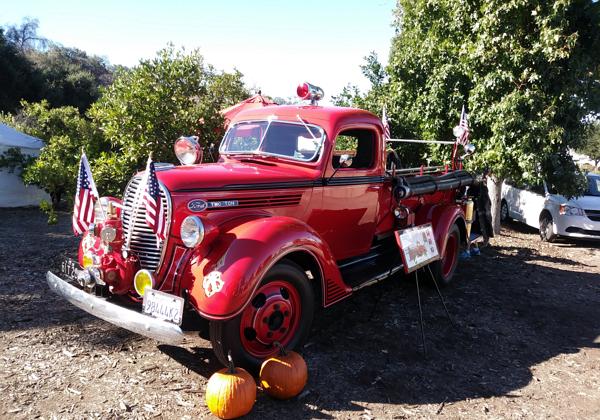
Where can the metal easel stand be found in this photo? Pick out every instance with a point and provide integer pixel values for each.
(421, 308)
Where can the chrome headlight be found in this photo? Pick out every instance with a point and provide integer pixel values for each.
(192, 231)
(188, 150)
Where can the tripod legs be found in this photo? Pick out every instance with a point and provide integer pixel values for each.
(441, 297)
(421, 308)
(420, 314)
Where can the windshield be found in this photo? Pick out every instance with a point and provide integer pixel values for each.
(593, 186)
(276, 138)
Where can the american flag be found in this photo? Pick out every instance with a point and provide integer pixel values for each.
(155, 214)
(386, 126)
(86, 195)
(464, 124)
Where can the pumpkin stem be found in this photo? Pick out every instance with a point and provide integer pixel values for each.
(231, 367)
(282, 351)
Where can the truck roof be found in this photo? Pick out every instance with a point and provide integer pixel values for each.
(328, 117)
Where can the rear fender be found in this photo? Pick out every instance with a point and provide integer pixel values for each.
(221, 283)
(442, 217)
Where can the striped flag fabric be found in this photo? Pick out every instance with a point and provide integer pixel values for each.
(85, 197)
(155, 214)
(464, 124)
(386, 126)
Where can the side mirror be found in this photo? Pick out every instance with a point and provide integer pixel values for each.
(345, 161)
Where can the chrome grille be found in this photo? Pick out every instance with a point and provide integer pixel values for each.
(143, 241)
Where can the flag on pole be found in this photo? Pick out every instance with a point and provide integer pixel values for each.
(155, 214)
(386, 126)
(464, 125)
(85, 197)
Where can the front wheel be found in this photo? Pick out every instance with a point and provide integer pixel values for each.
(281, 309)
(547, 228)
(444, 268)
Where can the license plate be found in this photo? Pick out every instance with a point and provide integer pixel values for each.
(163, 306)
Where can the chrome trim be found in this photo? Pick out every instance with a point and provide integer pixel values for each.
(378, 278)
(141, 227)
(136, 322)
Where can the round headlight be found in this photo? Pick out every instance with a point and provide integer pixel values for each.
(143, 280)
(108, 234)
(188, 150)
(192, 231)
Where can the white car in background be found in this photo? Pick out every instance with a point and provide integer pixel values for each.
(551, 213)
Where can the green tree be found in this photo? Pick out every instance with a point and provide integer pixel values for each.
(70, 77)
(16, 76)
(149, 106)
(65, 133)
(528, 72)
(591, 145)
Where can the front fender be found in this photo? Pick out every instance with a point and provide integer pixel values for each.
(221, 283)
(442, 217)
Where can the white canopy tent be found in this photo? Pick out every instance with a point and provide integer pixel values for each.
(13, 193)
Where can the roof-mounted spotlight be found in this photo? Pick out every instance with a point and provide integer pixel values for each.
(307, 91)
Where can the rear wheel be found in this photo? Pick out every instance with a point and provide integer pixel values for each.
(547, 228)
(281, 310)
(444, 268)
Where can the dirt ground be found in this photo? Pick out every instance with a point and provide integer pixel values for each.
(526, 343)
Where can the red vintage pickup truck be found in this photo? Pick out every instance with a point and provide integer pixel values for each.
(298, 211)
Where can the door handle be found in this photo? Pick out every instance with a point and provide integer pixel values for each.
(373, 187)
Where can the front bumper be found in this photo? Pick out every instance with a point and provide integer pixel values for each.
(136, 322)
(577, 227)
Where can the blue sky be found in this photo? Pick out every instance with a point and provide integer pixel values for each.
(276, 44)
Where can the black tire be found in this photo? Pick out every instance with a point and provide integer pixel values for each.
(504, 217)
(546, 228)
(443, 269)
(225, 336)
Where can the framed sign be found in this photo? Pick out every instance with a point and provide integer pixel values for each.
(417, 247)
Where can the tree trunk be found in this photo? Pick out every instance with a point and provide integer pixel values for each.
(494, 185)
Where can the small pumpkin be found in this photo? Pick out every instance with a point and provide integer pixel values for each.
(283, 376)
(231, 392)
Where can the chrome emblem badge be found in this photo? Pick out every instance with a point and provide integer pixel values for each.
(197, 205)
(212, 283)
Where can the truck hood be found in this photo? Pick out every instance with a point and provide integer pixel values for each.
(235, 176)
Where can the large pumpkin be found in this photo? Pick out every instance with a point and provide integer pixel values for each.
(230, 392)
(284, 376)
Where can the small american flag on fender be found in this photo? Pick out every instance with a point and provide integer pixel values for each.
(155, 215)
(85, 197)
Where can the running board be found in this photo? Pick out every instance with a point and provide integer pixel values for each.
(378, 278)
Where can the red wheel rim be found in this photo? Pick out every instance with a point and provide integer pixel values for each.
(273, 315)
(450, 255)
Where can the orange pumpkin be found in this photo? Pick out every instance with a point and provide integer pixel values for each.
(284, 376)
(231, 392)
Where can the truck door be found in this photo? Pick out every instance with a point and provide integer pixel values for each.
(348, 216)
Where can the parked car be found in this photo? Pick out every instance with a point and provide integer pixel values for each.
(541, 207)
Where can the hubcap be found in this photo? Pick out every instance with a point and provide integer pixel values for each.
(273, 315)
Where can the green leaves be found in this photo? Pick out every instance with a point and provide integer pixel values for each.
(148, 107)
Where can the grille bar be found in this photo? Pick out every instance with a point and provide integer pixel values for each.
(143, 241)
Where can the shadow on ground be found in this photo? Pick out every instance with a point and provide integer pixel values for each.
(511, 314)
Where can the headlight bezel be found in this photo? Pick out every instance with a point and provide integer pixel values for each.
(188, 150)
(194, 231)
